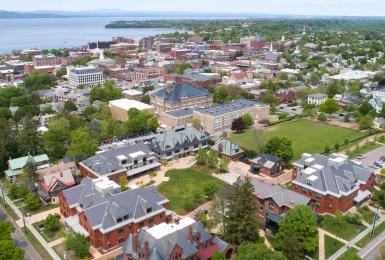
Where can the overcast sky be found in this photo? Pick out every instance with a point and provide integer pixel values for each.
(301, 7)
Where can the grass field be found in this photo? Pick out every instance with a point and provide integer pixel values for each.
(305, 135)
(366, 239)
(49, 236)
(343, 230)
(351, 254)
(185, 188)
(331, 246)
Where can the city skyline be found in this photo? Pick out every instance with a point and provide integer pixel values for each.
(294, 7)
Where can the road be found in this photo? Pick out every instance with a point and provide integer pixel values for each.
(371, 250)
(373, 156)
(21, 240)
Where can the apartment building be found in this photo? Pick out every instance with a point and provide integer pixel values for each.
(217, 120)
(178, 96)
(46, 60)
(332, 182)
(84, 75)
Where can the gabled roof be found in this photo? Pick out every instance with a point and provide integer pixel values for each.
(266, 160)
(179, 91)
(65, 177)
(229, 148)
(20, 162)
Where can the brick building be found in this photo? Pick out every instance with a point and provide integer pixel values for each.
(333, 183)
(267, 164)
(99, 210)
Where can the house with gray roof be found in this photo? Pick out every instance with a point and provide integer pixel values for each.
(184, 239)
(228, 149)
(127, 161)
(177, 142)
(178, 96)
(333, 182)
(267, 164)
(98, 209)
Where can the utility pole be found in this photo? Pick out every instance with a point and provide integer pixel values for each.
(2, 194)
(374, 223)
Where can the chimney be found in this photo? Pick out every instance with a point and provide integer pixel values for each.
(146, 250)
(135, 243)
(190, 238)
(220, 148)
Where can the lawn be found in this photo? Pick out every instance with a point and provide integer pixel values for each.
(49, 236)
(185, 188)
(343, 230)
(331, 246)
(350, 254)
(363, 149)
(367, 214)
(306, 136)
(366, 239)
(36, 244)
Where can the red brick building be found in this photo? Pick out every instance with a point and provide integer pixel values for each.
(100, 211)
(333, 183)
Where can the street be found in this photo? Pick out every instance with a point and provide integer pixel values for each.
(371, 250)
(372, 156)
(21, 240)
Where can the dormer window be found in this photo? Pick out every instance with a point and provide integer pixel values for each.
(149, 210)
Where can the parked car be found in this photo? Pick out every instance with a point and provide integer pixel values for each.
(361, 156)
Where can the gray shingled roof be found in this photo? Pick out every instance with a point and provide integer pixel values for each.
(229, 148)
(107, 162)
(229, 107)
(278, 194)
(331, 174)
(184, 112)
(266, 160)
(103, 210)
(181, 91)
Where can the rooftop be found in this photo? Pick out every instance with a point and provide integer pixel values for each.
(230, 107)
(127, 104)
(178, 92)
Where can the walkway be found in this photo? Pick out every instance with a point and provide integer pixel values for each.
(38, 217)
(371, 250)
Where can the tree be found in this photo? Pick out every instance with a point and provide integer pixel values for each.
(210, 188)
(330, 106)
(123, 183)
(196, 123)
(257, 251)
(202, 157)
(326, 150)
(140, 121)
(322, 117)
(145, 99)
(300, 226)
(212, 159)
(181, 68)
(78, 243)
(366, 108)
(29, 170)
(268, 97)
(382, 112)
(39, 80)
(82, 145)
(366, 122)
(280, 147)
(32, 202)
(18, 190)
(106, 93)
(70, 106)
(52, 222)
(218, 256)
(29, 139)
(224, 164)
(240, 220)
(56, 139)
(7, 142)
(238, 125)
(248, 120)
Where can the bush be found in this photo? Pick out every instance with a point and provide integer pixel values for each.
(78, 243)
(322, 117)
(354, 218)
(52, 222)
(18, 190)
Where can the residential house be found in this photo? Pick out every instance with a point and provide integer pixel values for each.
(267, 164)
(178, 142)
(316, 99)
(333, 182)
(126, 161)
(99, 210)
(184, 239)
(15, 166)
(225, 148)
(217, 120)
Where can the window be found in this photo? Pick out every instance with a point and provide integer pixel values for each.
(195, 145)
(149, 210)
(177, 151)
(319, 195)
(135, 161)
(271, 207)
(144, 159)
(108, 236)
(330, 206)
(186, 148)
(169, 154)
(124, 161)
(317, 203)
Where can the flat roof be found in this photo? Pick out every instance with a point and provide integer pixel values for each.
(229, 107)
(165, 229)
(127, 104)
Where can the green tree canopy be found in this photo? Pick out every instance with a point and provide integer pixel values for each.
(248, 119)
(330, 106)
(280, 147)
(78, 243)
(82, 145)
(257, 251)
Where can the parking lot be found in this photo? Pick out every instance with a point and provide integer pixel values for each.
(295, 110)
(372, 157)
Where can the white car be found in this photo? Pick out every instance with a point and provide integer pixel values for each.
(361, 156)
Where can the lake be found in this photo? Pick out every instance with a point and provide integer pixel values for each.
(49, 33)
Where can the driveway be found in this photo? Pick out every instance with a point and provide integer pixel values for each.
(373, 156)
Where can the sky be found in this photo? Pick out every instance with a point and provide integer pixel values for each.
(299, 7)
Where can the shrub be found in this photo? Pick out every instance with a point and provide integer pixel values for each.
(32, 202)
(52, 222)
(322, 117)
(354, 218)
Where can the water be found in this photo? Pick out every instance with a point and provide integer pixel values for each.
(49, 33)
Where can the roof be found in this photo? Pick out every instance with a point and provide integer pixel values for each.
(334, 174)
(20, 162)
(110, 161)
(64, 177)
(184, 112)
(127, 104)
(266, 160)
(318, 95)
(229, 107)
(106, 208)
(280, 195)
(228, 148)
(178, 136)
(180, 91)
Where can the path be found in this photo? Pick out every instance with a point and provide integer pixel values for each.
(371, 250)
(321, 244)
(38, 217)
(21, 241)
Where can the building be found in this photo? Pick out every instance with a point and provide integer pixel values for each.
(15, 166)
(316, 99)
(217, 120)
(273, 201)
(102, 61)
(132, 94)
(55, 179)
(225, 148)
(184, 239)
(178, 142)
(333, 183)
(197, 79)
(119, 108)
(178, 96)
(46, 60)
(267, 164)
(176, 117)
(124, 161)
(98, 209)
(84, 75)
